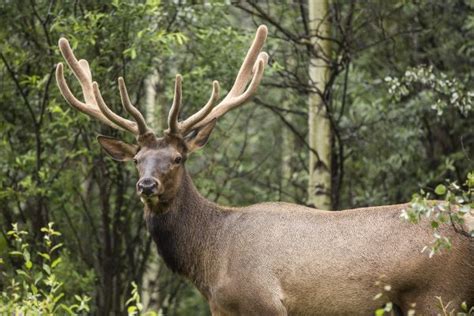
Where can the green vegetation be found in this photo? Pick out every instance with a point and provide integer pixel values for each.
(399, 101)
(34, 284)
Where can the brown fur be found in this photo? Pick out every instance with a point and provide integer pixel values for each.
(280, 258)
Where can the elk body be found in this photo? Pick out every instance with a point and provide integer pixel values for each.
(270, 258)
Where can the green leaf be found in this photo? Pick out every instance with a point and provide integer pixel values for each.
(26, 255)
(379, 312)
(34, 289)
(67, 309)
(46, 268)
(28, 264)
(57, 298)
(440, 189)
(56, 262)
(44, 255)
(56, 247)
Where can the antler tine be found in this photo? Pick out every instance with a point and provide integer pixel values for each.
(82, 72)
(131, 109)
(95, 105)
(188, 124)
(175, 108)
(79, 68)
(251, 70)
(88, 97)
(231, 102)
(108, 113)
(245, 71)
(84, 108)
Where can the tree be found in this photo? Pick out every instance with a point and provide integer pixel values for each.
(319, 124)
(47, 148)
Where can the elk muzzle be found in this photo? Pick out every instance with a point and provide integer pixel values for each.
(148, 187)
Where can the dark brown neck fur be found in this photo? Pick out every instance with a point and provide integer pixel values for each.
(186, 231)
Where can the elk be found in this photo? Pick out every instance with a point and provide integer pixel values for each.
(268, 258)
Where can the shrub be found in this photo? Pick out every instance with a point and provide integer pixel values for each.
(31, 284)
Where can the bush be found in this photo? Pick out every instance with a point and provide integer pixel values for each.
(31, 284)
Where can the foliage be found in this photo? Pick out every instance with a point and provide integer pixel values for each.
(34, 287)
(450, 93)
(444, 94)
(458, 205)
(134, 303)
(47, 149)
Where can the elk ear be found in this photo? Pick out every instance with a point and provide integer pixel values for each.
(198, 137)
(117, 149)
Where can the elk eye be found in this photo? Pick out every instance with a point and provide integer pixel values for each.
(178, 160)
(135, 161)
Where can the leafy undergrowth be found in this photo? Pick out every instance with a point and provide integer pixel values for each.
(31, 285)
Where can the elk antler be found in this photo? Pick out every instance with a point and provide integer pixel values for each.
(94, 104)
(251, 71)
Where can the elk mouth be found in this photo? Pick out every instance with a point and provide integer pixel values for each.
(153, 198)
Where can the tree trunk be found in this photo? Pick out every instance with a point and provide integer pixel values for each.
(320, 134)
(155, 106)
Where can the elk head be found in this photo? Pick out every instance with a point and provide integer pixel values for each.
(160, 160)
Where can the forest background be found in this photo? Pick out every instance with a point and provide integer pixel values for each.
(396, 103)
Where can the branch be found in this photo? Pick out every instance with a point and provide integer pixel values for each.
(290, 126)
(20, 90)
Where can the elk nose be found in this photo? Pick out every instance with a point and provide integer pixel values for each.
(147, 186)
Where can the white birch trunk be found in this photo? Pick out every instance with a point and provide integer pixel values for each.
(320, 135)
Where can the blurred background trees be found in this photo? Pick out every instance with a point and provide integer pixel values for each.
(396, 100)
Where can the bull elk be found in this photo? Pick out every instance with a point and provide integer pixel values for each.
(268, 258)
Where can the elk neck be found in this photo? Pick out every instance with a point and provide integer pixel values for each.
(187, 232)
